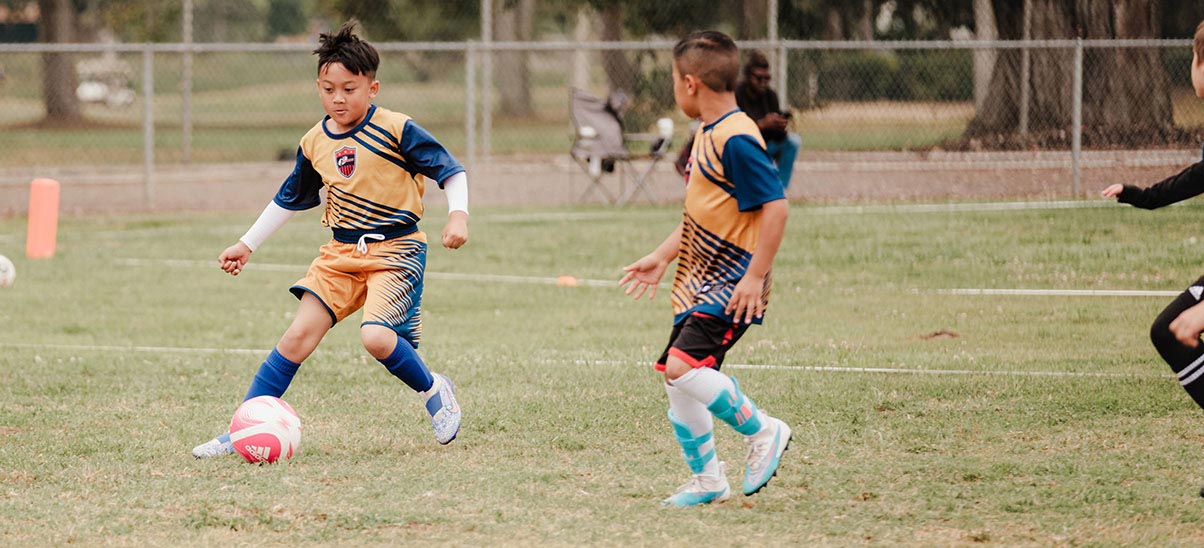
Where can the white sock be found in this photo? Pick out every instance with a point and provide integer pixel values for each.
(695, 416)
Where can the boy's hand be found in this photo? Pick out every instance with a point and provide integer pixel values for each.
(644, 274)
(1188, 326)
(1113, 190)
(745, 303)
(455, 232)
(234, 258)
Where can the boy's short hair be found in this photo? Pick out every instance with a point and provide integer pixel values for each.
(345, 48)
(756, 60)
(1198, 41)
(711, 56)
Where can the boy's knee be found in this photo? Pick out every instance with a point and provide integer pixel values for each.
(675, 368)
(1160, 333)
(378, 340)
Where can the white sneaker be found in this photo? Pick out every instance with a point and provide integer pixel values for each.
(212, 448)
(701, 489)
(444, 410)
(765, 453)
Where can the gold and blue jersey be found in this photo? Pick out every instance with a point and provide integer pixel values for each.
(730, 178)
(374, 175)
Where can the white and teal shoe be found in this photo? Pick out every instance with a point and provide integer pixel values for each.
(215, 447)
(765, 450)
(444, 410)
(701, 489)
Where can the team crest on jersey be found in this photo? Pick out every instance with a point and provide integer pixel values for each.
(344, 159)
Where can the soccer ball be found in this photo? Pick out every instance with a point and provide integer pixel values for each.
(8, 272)
(265, 429)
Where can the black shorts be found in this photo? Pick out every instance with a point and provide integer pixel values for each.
(701, 340)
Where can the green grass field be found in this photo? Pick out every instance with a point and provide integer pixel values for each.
(128, 348)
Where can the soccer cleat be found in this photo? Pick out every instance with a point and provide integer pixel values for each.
(701, 489)
(213, 448)
(444, 410)
(765, 453)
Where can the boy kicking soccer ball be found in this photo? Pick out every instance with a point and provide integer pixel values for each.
(735, 214)
(1176, 331)
(373, 164)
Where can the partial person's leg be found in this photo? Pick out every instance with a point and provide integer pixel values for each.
(392, 328)
(299, 341)
(787, 153)
(1185, 361)
(691, 365)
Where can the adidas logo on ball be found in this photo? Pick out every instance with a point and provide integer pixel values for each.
(265, 429)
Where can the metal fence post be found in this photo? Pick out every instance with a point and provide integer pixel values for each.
(148, 125)
(186, 87)
(1076, 147)
(487, 78)
(1025, 67)
(470, 102)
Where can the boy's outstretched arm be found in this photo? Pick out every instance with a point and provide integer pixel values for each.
(646, 273)
(1186, 184)
(746, 297)
(235, 257)
(1188, 326)
(455, 232)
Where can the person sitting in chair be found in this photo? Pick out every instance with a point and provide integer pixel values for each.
(760, 102)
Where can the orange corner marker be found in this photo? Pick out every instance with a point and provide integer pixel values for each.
(43, 218)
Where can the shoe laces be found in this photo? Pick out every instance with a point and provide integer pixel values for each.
(758, 449)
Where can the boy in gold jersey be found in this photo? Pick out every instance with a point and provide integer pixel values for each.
(374, 165)
(734, 218)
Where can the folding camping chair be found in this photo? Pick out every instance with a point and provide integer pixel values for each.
(600, 146)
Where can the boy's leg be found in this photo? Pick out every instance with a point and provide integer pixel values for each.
(276, 372)
(402, 360)
(392, 327)
(787, 153)
(691, 365)
(1185, 361)
(694, 430)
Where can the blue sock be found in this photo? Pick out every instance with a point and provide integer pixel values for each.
(405, 364)
(273, 377)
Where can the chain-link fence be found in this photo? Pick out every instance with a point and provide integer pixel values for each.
(1035, 103)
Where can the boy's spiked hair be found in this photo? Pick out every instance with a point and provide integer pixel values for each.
(711, 56)
(344, 47)
(1198, 41)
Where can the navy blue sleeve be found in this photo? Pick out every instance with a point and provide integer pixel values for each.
(426, 156)
(300, 190)
(750, 169)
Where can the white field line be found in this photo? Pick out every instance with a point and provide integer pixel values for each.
(541, 280)
(745, 366)
(1056, 292)
(548, 280)
(957, 207)
(116, 348)
(830, 210)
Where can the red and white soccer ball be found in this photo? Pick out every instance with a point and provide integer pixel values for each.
(265, 429)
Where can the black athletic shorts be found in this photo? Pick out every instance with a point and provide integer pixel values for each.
(701, 340)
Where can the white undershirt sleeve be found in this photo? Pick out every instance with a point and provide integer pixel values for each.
(272, 218)
(456, 188)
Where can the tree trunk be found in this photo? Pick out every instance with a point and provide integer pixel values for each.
(754, 19)
(1140, 102)
(984, 59)
(514, 23)
(1126, 95)
(619, 69)
(59, 80)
